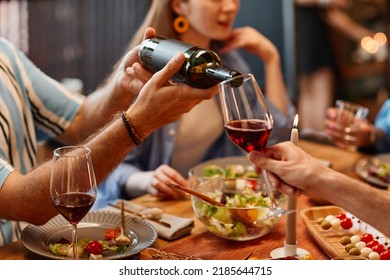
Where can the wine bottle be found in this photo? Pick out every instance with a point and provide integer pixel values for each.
(202, 68)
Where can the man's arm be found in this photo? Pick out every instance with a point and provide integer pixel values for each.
(26, 197)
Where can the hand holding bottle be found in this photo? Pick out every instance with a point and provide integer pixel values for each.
(202, 68)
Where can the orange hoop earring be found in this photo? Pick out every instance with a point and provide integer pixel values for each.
(181, 24)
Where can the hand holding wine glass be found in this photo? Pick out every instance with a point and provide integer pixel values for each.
(73, 186)
(248, 121)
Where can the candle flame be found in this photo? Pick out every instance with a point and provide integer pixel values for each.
(296, 121)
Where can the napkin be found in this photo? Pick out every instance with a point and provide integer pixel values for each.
(179, 226)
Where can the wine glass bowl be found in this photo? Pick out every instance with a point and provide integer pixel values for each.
(73, 186)
(248, 121)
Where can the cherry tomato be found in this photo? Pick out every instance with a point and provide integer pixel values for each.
(367, 237)
(340, 216)
(346, 223)
(252, 183)
(379, 248)
(372, 243)
(385, 255)
(94, 247)
(111, 233)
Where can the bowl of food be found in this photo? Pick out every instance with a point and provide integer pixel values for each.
(245, 214)
(225, 167)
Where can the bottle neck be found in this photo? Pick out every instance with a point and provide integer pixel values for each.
(220, 74)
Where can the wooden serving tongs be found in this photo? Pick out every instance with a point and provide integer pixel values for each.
(197, 194)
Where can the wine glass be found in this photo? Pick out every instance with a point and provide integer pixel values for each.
(248, 122)
(73, 185)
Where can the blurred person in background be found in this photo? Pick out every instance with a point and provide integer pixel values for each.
(169, 153)
(34, 107)
(371, 138)
(317, 66)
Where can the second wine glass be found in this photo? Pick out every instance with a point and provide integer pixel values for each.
(248, 121)
(73, 186)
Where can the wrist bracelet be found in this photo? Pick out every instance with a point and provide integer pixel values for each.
(130, 129)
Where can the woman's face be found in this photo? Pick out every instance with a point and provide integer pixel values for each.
(210, 19)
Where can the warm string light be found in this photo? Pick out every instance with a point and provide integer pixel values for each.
(373, 44)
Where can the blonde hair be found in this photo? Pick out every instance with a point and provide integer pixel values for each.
(160, 16)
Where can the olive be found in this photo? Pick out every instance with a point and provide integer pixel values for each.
(345, 240)
(326, 224)
(320, 220)
(349, 247)
(354, 251)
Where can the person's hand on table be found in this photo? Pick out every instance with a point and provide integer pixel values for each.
(158, 187)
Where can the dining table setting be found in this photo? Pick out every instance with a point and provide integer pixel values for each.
(173, 229)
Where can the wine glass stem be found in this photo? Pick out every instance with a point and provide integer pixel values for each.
(74, 240)
(269, 189)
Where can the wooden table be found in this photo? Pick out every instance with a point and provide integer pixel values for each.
(203, 244)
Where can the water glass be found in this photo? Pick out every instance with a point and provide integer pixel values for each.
(348, 117)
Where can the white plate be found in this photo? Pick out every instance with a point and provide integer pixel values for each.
(94, 224)
(361, 169)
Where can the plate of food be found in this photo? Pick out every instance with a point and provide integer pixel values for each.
(375, 170)
(343, 236)
(96, 235)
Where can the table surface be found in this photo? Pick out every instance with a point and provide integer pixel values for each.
(205, 245)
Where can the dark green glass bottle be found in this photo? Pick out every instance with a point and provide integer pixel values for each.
(202, 69)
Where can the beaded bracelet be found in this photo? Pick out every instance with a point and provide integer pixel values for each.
(130, 129)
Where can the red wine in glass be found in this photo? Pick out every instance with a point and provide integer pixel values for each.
(249, 135)
(73, 206)
(73, 186)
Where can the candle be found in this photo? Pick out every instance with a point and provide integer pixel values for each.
(292, 199)
(294, 131)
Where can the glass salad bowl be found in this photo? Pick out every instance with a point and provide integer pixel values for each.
(246, 214)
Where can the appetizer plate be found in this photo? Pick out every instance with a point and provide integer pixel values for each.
(94, 224)
(330, 239)
(362, 166)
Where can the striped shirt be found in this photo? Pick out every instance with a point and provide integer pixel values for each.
(33, 107)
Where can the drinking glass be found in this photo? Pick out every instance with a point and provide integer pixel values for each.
(73, 185)
(248, 122)
(346, 128)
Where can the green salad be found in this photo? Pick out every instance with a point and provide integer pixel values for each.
(246, 215)
(88, 248)
(229, 171)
